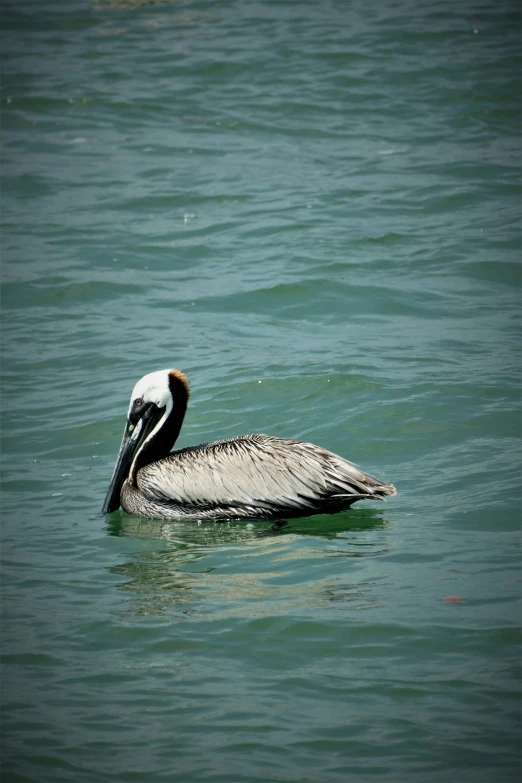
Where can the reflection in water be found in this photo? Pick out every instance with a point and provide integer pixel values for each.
(322, 525)
(248, 570)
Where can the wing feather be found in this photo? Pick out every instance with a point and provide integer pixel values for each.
(257, 471)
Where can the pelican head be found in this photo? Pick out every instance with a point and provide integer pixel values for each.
(157, 398)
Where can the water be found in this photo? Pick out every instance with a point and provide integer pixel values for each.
(312, 209)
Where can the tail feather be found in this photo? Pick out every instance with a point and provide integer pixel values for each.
(353, 496)
(385, 489)
(374, 492)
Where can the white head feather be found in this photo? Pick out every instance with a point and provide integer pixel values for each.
(154, 387)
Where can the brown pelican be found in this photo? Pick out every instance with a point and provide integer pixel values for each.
(246, 477)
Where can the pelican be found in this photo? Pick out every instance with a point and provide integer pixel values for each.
(244, 477)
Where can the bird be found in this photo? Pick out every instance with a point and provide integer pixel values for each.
(245, 477)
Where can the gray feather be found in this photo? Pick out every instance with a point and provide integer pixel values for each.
(247, 477)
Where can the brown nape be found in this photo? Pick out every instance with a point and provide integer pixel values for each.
(178, 384)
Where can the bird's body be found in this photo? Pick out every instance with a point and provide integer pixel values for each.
(246, 477)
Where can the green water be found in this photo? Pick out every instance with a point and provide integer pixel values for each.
(313, 210)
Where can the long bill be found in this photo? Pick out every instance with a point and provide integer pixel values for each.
(133, 437)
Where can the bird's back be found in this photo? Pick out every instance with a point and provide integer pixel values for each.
(250, 476)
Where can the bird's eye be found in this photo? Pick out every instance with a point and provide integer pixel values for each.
(138, 403)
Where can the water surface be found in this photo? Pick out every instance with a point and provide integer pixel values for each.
(313, 210)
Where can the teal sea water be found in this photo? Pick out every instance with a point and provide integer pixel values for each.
(313, 209)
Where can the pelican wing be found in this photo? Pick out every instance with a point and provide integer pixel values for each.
(259, 473)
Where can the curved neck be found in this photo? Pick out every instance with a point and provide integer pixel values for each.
(163, 440)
